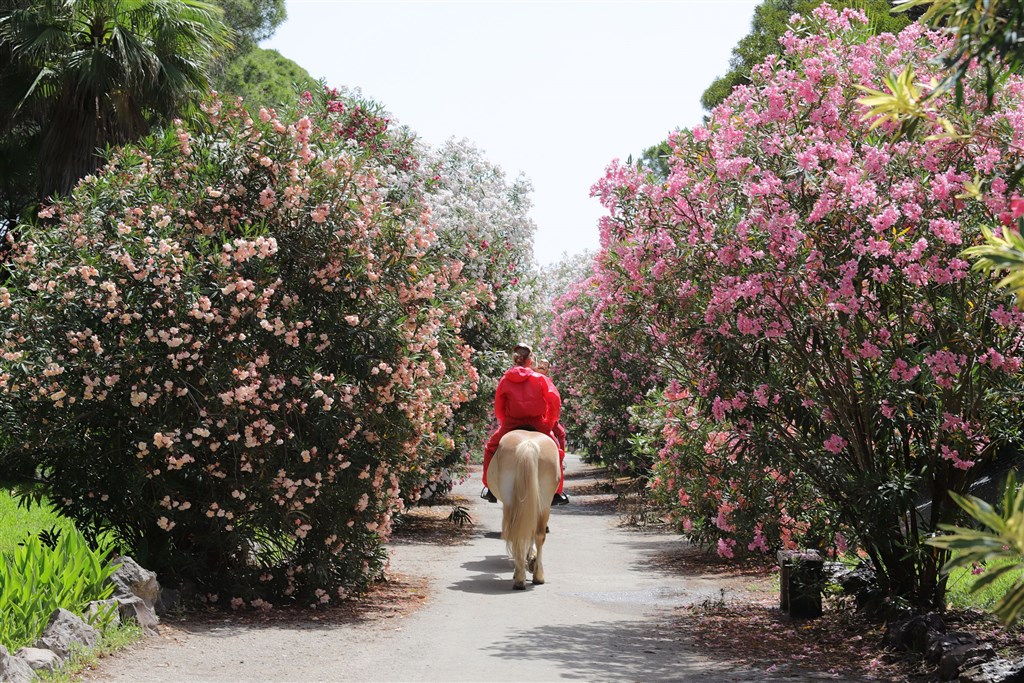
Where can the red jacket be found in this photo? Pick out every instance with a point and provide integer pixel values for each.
(526, 397)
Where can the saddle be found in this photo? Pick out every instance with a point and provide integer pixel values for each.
(527, 428)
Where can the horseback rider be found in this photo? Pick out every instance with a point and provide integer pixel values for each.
(524, 400)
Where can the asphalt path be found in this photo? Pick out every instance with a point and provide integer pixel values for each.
(603, 615)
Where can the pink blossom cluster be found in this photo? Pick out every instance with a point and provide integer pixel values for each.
(601, 376)
(716, 492)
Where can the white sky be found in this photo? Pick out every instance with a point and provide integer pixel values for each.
(554, 90)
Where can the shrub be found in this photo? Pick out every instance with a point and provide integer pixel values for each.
(236, 349)
(717, 492)
(802, 270)
(602, 377)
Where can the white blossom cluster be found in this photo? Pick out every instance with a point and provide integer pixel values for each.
(484, 219)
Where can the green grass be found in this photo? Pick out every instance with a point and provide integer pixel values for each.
(958, 587)
(17, 522)
(112, 640)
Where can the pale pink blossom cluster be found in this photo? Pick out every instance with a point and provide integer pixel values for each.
(253, 330)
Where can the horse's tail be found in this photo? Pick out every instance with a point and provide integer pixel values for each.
(519, 524)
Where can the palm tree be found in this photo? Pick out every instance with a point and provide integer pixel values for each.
(102, 73)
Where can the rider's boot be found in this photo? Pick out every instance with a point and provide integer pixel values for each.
(488, 496)
(560, 499)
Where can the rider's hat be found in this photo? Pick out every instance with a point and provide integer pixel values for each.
(522, 346)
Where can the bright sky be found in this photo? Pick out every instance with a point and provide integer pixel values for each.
(553, 90)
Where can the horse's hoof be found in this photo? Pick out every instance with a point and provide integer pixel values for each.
(521, 586)
(537, 581)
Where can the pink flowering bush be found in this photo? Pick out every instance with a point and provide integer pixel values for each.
(719, 494)
(552, 282)
(600, 377)
(236, 349)
(801, 272)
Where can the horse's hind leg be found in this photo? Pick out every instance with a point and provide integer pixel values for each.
(536, 566)
(519, 575)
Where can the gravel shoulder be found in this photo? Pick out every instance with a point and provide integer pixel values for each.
(449, 613)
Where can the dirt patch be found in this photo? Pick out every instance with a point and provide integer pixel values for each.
(690, 560)
(588, 487)
(590, 472)
(750, 634)
(434, 524)
(745, 625)
(841, 642)
(399, 595)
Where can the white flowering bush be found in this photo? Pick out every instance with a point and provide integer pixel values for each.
(482, 219)
(237, 349)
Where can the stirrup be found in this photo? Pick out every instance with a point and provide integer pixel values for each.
(560, 499)
(488, 496)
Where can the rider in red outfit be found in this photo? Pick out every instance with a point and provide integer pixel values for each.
(524, 398)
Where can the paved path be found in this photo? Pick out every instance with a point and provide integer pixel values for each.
(600, 617)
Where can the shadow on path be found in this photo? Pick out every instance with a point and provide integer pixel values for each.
(626, 651)
(493, 577)
(586, 505)
(492, 564)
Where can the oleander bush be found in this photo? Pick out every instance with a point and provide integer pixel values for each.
(601, 376)
(713, 492)
(482, 220)
(236, 349)
(800, 274)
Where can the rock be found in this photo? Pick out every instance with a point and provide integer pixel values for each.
(168, 599)
(137, 593)
(131, 579)
(135, 609)
(39, 659)
(14, 669)
(64, 631)
(963, 656)
(856, 580)
(994, 671)
(96, 607)
(914, 632)
(943, 642)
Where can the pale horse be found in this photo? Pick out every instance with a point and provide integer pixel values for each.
(523, 475)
